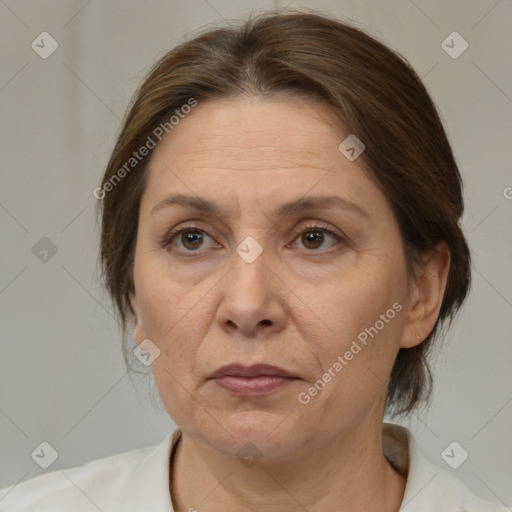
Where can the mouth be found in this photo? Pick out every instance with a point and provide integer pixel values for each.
(256, 380)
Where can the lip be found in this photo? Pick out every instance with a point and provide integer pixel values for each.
(252, 386)
(252, 381)
(255, 370)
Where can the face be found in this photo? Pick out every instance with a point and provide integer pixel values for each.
(319, 290)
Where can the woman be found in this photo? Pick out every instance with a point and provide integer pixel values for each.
(280, 226)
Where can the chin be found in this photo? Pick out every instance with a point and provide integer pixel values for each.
(269, 434)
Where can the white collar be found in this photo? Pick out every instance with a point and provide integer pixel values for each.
(428, 489)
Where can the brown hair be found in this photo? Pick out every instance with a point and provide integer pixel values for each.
(375, 93)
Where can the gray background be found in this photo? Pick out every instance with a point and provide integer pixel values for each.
(62, 374)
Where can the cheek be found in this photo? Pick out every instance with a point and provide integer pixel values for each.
(171, 316)
(364, 314)
(175, 322)
(348, 305)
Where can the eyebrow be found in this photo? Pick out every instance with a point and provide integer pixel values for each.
(303, 204)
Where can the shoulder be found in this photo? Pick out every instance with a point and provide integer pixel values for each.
(102, 484)
(82, 486)
(429, 488)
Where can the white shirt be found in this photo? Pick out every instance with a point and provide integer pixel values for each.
(138, 481)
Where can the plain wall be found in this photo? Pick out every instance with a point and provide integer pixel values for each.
(63, 378)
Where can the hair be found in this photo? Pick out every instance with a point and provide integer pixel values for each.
(376, 95)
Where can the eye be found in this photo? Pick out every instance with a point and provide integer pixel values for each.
(313, 237)
(191, 239)
(187, 239)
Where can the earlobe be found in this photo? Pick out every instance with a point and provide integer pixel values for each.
(427, 297)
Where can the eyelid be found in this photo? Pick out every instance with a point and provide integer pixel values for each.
(317, 225)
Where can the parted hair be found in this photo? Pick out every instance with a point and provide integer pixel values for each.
(375, 93)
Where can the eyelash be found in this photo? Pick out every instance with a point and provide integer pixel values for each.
(171, 236)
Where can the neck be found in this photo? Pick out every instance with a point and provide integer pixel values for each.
(344, 472)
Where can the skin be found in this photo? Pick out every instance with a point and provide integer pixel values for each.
(298, 305)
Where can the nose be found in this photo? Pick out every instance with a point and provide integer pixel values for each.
(251, 303)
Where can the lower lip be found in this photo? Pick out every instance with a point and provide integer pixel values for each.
(252, 386)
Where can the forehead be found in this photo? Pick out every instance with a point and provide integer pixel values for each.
(255, 129)
(280, 147)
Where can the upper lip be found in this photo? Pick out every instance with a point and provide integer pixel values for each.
(239, 370)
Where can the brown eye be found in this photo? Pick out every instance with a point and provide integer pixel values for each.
(312, 239)
(315, 236)
(191, 239)
(187, 240)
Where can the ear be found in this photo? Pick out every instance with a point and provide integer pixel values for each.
(426, 297)
(139, 332)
